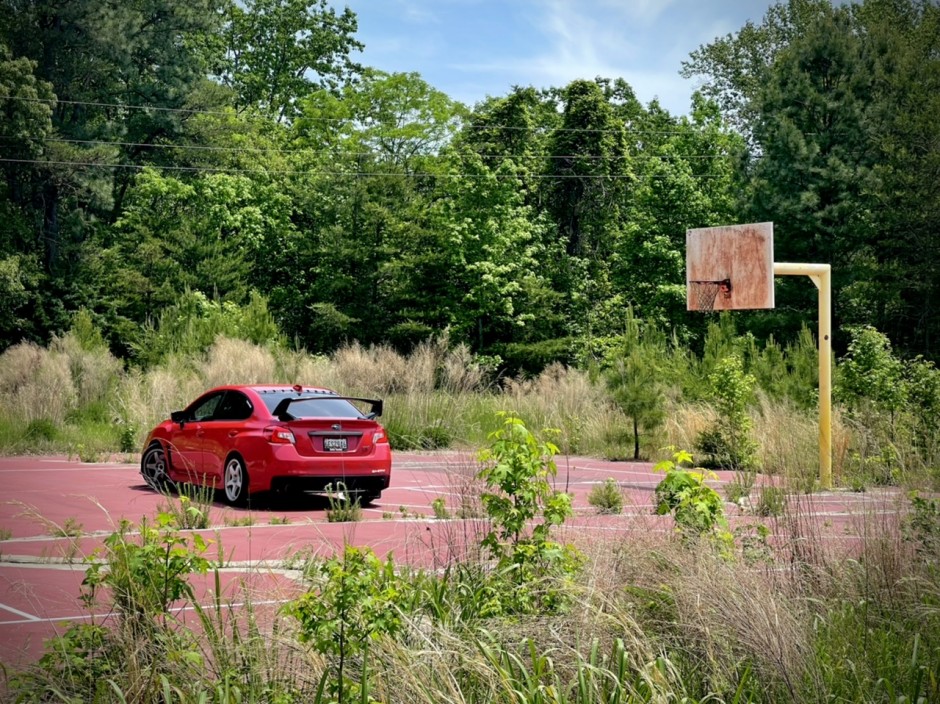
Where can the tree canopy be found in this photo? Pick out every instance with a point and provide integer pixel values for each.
(240, 151)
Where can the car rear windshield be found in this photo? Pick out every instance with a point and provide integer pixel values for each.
(324, 406)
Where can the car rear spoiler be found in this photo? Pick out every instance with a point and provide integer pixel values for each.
(280, 411)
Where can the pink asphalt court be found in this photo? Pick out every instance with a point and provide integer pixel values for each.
(56, 512)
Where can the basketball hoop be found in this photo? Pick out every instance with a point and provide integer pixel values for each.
(704, 293)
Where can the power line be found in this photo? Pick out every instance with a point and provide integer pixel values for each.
(301, 150)
(193, 111)
(311, 172)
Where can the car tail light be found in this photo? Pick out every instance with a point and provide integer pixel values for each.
(279, 436)
(379, 436)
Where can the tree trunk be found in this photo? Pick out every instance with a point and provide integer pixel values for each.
(636, 439)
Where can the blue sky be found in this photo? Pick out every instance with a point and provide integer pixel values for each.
(473, 48)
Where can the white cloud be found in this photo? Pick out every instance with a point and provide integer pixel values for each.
(579, 43)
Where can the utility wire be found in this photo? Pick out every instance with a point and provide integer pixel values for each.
(469, 125)
(301, 150)
(312, 172)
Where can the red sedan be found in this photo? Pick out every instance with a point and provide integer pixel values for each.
(251, 439)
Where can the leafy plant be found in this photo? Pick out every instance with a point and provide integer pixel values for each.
(353, 602)
(517, 467)
(190, 507)
(40, 429)
(633, 375)
(70, 528)
(697, 508)
(127, 436)
(607, 498)
(771, 501)
(439, 506)
(736, 491)
(87, 454)
(145, 570)
(728, 443)
(922, 527)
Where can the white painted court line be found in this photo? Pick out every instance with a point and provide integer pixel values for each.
(86, 617)
(29, 618)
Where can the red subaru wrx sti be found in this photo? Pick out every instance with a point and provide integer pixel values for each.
(251, 439)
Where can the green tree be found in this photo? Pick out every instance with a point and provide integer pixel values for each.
(591, 172)
(729, 442)
(896, 288)
(736, 66)
(687, 177)
(634, 373)
(353, 604)
(517, 468)
(843, 171)
(870, 374)
(369, 265)
(280, 51)
(815, 178)
(205, 235)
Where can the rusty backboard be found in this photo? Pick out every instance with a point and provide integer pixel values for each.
(730, 267)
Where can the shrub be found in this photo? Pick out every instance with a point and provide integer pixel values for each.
(147, 569)
(354, 601)
(517, 467)
(772, 501)
(439, 506)
(190, 507)
(728, 443)
(696, 507)
(533, 357)
(607, 498)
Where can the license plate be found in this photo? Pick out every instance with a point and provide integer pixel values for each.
(334, 444)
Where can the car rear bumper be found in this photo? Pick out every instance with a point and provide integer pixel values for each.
(286, 470)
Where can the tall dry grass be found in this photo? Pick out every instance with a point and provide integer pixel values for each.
(715, 614)
(438, 396)
(144, 399)
(237, 362)
(566, 399)
(36, 384)
(788, 441)
(94, 372)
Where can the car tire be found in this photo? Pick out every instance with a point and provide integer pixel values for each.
(235, 481)
(153, 468)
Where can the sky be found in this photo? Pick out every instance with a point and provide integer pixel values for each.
(471, 49)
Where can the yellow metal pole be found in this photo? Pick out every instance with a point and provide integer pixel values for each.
(821, 274)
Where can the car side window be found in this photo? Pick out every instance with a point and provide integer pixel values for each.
(235, 406)
(205, 408)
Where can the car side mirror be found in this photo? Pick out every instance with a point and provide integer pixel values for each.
(178, 417)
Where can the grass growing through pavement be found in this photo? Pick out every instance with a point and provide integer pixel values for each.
(650, 618)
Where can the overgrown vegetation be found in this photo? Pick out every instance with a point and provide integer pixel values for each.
(606, 497)
(745, 405)
(525, 254)
(649, 618)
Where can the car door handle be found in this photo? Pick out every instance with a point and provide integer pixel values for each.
(232, 433)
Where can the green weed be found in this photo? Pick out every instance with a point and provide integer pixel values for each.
(607, 498)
